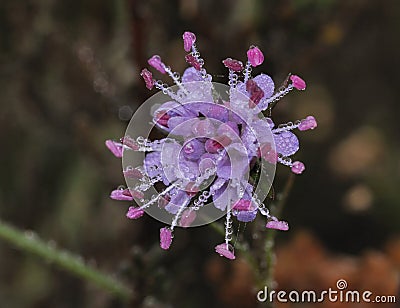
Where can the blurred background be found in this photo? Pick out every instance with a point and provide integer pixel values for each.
(69, 79)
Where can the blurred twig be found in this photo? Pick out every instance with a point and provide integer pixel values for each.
(29, 242)
(269, 241)
(266, 274)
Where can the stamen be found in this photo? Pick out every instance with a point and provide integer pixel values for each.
(167, 90)
(176, 78)
(287, 161)
(201, 199)
(188, 216)
(179, 213)
(196, 54)
(286, 127)
(247, 72)
(274, 98)
(228, 227)
(155, 198)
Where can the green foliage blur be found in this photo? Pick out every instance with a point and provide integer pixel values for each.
(69, 79)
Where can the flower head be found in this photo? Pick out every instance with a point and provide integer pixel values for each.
(220, 144)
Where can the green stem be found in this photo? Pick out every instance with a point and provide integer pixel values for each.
(29, 242)
(269, 242)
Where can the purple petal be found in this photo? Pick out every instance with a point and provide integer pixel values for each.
(191, 75)
(152, 163)
(229, 129)
(203, 128)
(264, 82)
(286, 143)
(180, 197)
(193, 149)
(181, 126)
(206, 163)
(188, 170)
(246, 216)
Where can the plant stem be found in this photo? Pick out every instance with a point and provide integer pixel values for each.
(29, 242)
(269, 242)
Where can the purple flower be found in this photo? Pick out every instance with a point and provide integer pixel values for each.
(218, 143)
(246, 216)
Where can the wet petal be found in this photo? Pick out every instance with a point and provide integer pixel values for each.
(191, 75)
(246, 216)
(286, 143)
